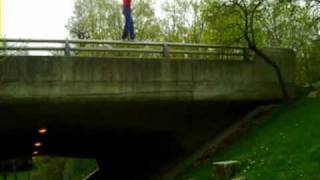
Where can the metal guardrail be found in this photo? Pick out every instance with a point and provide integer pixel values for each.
(165, 50)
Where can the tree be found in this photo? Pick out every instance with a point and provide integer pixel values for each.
(198, 25)
(183, 21)
(292, 24)
(221, 21)
(249, 12)
(96, 19)
(146, 23)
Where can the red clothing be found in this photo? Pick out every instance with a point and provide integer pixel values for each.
(127, 3)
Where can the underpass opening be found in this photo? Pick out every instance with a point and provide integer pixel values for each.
(128, 139)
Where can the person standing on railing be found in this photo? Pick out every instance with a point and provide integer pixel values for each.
(128, 27)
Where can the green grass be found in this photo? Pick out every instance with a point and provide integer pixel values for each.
(51, 168)
(285, 146)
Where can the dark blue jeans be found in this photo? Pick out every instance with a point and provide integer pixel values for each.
(128, 27)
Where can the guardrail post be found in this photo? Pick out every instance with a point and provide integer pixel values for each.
(165, 50)
(67, 48)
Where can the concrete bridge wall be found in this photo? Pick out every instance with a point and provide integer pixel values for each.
(84, 78)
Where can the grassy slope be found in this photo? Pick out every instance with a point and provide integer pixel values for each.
(285, 146)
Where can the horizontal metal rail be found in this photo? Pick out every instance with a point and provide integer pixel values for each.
(206, 53)
(117, 50)
(32, 48)
(80, 49)
(166, 49)
(119, 43)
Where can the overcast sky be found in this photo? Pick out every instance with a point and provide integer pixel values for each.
(36, 18)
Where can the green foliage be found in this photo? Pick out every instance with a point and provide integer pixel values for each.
(145, 22)
(222, 23)
(277, 23)
(183, 21)
(96, 19)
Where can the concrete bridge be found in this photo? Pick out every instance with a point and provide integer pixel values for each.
(148, 109)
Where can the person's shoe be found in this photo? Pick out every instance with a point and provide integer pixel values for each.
(124, 38)
(133, 38)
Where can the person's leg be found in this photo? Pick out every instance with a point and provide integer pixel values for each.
(131, 28)
(127, 15)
